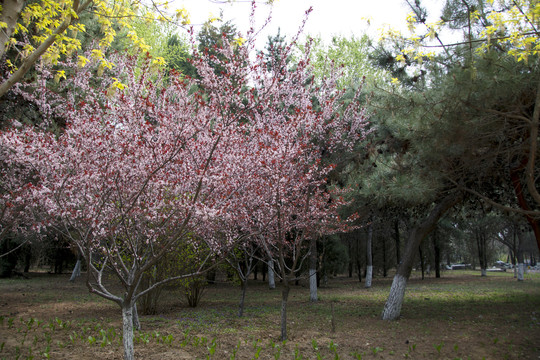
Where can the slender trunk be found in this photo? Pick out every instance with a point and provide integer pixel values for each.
(481, 244)
(437, 251)
(385, 267)
(271, 280)
(351, 263)
(369, 256)
(392, 308)
(313, 271)
(398, 242)
(520, 261)
(127, 331)
(284, 298)
(76, 271)
(421, 260)
(358, 258)
(518, 189)
(242, 298)
(136, 322)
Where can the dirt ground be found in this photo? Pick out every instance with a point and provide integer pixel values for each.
(460, 316)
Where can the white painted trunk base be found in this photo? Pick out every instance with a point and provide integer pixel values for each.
(313, 285)
(127, 332)
(484, 272)
(392, 308)
(521, 271)
(271, 280)
(76, 271)
(369, 275)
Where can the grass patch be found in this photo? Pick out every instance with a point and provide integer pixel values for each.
(459, 316)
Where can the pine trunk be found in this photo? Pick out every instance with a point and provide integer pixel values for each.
(392, 308)
(437, 251)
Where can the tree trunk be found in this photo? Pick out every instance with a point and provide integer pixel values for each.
(369, 256)
(313, 271)
(127, 331)
(351, 260)
(385, 267)
(11, 9)
(242, 298)
(421, 260)
(392, 308)
(437, 251)
(76, 271)
(482, 256)
(284, 298)
(136, 322)
(358, 258)
(523, 204)
(398, 242)
(271, 280)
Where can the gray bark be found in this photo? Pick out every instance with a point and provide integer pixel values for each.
(11, 9)
(392, 308)
(271, 280)
(136, 322)
(369, 256)
(313, 271)
(521, 271)
(242, 298)
(284, 298)
(76, 271)
(127, 331)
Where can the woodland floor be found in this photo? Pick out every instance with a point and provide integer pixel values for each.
(460, 316)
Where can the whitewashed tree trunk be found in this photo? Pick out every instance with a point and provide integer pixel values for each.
(271, 279)
(392, 308)
(521, 271)
(483, 272)
(369, 256)
(76, 271)
(369, 275)
(127, 331)
(313, 271)
(313, 297)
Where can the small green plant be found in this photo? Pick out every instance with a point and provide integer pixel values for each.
(356, 355)
(333, 348)
(91, 340)
(439, 347)
(168, 339)
(297, 355)
(258, 349)
(235, 350)
(376, 350)
(277, 354)
(211, 348)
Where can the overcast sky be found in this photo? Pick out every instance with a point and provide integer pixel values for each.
(329, 17)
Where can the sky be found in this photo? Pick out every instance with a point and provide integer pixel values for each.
(329, 17)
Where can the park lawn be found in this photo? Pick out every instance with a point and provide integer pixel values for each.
(460, 316)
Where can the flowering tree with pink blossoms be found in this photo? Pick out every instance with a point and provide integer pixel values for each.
(146, 164)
